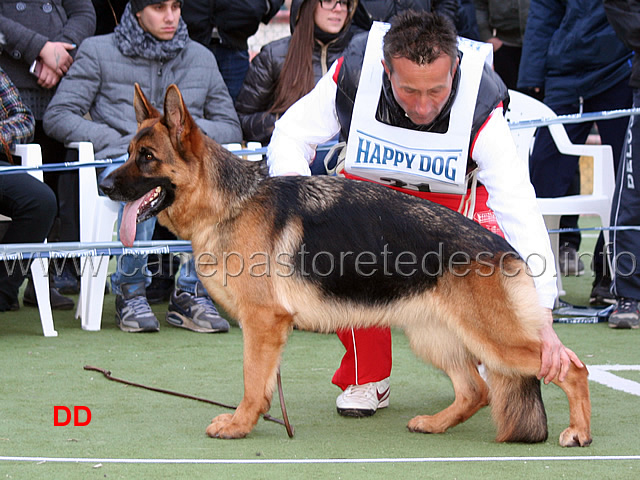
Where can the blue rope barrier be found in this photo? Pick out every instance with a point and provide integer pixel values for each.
(575, 118)
(542, 122)
(57, 167)
(26, 251)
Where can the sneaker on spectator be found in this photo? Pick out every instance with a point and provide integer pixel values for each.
(569, 261)
(626, 314)
(195, 312)
(601, 295)
(133, 313)
(363, 400)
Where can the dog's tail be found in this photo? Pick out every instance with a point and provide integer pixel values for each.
(517, 408)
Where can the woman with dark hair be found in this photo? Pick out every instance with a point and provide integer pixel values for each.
(287, 69)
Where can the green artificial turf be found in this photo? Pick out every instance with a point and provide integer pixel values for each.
(39, 373)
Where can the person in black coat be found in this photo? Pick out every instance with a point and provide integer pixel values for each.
(572, 56)
(223, 26)
(287, 69)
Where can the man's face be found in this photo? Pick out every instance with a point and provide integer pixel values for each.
(160, 19)
(421, 90)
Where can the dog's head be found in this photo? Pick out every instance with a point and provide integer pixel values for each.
(147, 181)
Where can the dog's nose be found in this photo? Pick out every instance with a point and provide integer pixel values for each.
(107, 185)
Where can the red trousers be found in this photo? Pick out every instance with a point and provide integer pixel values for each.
(368, 355)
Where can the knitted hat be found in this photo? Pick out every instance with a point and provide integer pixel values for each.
(137, 5)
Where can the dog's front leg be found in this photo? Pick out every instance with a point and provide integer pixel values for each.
(265, 333)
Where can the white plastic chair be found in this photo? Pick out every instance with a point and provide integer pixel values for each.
(31, 156)
(523, 107)
(98, 215)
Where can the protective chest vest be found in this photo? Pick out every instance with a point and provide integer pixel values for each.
(406, 158)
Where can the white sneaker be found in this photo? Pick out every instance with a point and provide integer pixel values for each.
(363, 400)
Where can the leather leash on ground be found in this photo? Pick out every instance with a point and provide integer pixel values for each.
(266, 416)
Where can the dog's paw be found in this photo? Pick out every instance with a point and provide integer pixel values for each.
(223, 426)
(425, 424)
(574, 437)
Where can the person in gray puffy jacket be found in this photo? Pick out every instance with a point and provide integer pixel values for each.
(150, 46)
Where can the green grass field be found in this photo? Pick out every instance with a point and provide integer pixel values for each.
(130, 424)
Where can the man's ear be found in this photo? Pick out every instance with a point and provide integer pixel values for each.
(387, 70)
(142, 107)
(455, 67)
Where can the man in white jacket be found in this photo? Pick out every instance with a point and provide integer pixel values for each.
(417, 90)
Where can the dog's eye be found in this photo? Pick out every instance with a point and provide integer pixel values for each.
(146, 156)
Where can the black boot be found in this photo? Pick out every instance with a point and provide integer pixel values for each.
(58, 301)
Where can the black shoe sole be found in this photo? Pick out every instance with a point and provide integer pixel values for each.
(355, 412)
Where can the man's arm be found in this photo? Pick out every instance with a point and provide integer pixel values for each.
(544, 19)
(513, 200)
(81, 21)
(309, 122)
(64, 118)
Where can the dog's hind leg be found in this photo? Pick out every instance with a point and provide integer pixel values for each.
(576, 387)
(471, 394)
(264, 332)
(438, 346)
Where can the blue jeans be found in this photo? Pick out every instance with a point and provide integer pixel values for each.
(233, 66)
(132, 269)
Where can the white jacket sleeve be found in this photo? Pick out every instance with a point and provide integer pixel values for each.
(309, 122)
(513, 200)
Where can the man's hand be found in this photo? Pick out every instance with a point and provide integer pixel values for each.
(496, 42)
(55, 56)
(48, 78)
(556, 359)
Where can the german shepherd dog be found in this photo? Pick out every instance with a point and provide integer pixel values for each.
(324, 253)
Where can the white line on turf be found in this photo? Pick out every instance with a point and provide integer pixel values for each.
(602, 374)
(318, 460)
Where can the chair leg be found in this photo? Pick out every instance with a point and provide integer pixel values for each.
(40, 275)
(97, 277)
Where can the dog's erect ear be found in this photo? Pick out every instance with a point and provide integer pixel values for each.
(176, 116)
(142, 106)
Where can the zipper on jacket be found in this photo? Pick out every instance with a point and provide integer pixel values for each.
(581, 105)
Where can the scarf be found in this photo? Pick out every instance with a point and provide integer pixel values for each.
(133, 41)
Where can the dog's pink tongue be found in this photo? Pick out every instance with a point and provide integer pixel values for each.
(128, 224)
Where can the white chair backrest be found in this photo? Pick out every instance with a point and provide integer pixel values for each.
(523, 107)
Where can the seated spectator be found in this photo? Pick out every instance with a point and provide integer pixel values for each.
(288, 68)
(30, 203)
(150, 46)
(41, 40)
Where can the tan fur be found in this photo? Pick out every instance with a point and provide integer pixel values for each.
(465, 318)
